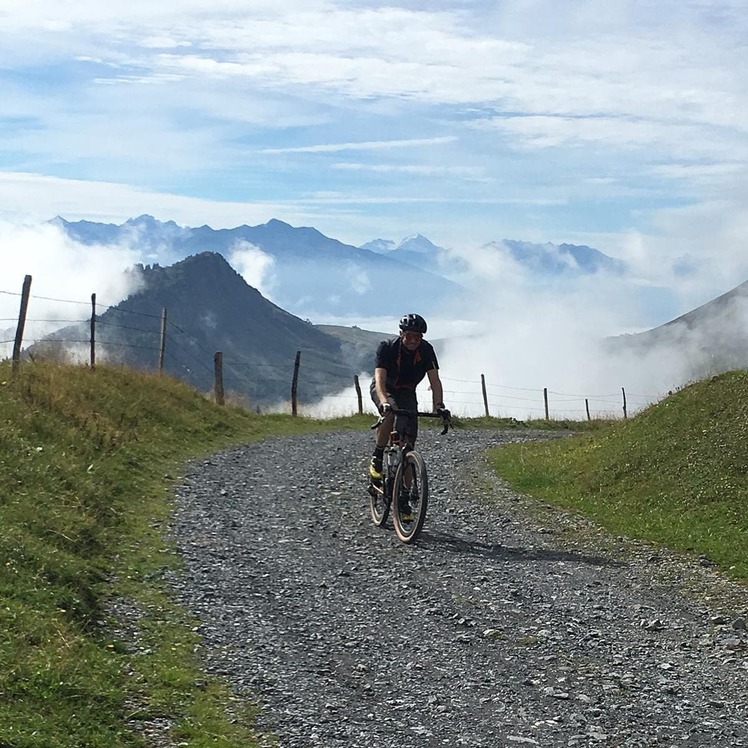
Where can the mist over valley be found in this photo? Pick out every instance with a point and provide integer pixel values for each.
(527, 316)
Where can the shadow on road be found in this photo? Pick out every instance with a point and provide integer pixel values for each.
(459, 545)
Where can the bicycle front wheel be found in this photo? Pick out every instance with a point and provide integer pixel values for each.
(410, 494)
(379, 503)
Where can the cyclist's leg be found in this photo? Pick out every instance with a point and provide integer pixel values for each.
(407, 427)
(381, 435)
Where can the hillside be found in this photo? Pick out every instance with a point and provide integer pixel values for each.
(211, 308)
(87, 465)
(674, 475)
(357, 344)
(711, 338)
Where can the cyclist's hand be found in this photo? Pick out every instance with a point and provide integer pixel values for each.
(384, 409)
(443, 412)
(446, 417)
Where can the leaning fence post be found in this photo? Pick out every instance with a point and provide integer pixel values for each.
(162, 347)
(358, 394)
(625, 412)
(295, 382)
(218, 384)
(21, 324)
(93, 332)
(485, 396)
(587, 407)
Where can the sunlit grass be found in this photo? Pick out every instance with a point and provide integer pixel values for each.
(676, 474)
(86, 463)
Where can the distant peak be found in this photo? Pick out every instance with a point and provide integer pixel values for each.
(417, 243)
(379, 245)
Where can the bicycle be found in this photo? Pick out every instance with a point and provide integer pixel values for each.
(404, 480)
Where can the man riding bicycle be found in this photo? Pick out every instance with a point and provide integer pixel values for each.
(400, 365)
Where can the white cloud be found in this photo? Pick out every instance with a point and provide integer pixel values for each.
(255, 266)
(363, 146)
(527, 338)
(64, 276)
(468, 172)
(36, 197)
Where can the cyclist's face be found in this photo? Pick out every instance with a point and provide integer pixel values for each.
(411, 340)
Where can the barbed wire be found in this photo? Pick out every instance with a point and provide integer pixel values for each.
(177, 354)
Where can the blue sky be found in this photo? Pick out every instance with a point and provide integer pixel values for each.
(463, 121)
(621, 125)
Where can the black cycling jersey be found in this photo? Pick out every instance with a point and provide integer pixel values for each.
(405, 369)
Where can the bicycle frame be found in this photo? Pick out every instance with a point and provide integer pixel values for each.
(404, 480)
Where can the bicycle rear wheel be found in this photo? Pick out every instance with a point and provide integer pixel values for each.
(379, 503)
(410, 493)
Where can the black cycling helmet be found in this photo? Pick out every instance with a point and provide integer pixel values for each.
(413, 323)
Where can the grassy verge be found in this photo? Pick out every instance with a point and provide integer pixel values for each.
(675, 475)
(86, 463)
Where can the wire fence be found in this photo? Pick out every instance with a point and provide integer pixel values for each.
(154, 342)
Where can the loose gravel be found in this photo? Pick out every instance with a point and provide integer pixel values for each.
(507, 624)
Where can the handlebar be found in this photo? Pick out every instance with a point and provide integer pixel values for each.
(445, 415)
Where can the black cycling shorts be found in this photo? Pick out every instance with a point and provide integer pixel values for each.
(405, 399)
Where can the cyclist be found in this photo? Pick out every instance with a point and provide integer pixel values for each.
(400, 365)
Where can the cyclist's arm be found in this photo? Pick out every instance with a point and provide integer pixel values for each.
(380, 383)
(437, 391)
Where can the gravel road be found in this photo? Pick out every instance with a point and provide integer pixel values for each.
(507, 624)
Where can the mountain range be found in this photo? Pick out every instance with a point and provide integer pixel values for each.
(211, 306)
(302, 270)
(311, 275)
(545, 259)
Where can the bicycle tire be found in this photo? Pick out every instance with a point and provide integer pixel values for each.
(379, 504)
(408, 525)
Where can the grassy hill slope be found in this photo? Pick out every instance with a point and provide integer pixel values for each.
(86, 463)
(676, 474)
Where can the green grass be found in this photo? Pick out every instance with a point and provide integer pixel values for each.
(87, 460)
(675, 475)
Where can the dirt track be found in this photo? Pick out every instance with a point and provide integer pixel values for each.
(494, 630)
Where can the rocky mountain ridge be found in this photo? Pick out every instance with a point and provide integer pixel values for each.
(210, 308)
(312, 275)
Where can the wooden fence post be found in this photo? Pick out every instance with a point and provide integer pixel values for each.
(295, 382)
(93, 332)
(545, 399)
(587, 406)
(162, 347)
(625, 412)
(358, 394)
(218, 384)
(21, 324)
(485, 396)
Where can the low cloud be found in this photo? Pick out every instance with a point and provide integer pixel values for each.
(254, 265)
(64, 276)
